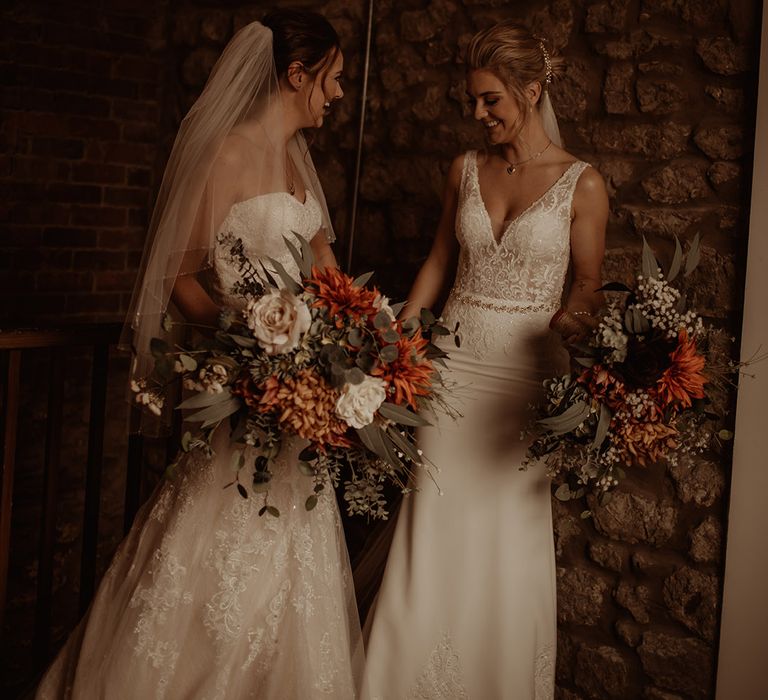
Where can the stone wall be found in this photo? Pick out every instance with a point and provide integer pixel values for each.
(658, 95)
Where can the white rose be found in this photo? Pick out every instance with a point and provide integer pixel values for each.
(358, 402)
(382, 304)
(277, 320)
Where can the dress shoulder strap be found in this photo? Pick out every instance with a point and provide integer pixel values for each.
(570, 179)
(470, 162)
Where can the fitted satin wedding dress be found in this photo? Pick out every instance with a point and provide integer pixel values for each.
(467, 604)
(205, 599)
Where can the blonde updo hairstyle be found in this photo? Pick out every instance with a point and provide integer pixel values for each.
(517, 58)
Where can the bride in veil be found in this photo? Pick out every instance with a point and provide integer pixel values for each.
(204, 597)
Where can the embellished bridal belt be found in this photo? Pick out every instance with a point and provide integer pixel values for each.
(502, 305)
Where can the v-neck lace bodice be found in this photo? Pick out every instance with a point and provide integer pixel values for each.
(522, 272)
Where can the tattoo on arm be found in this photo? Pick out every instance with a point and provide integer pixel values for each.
(581, 285)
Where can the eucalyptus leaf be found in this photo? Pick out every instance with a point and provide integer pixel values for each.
(694, 255)
(243, 341)
(236, 460)
(188, 363)
(677, 261)
(585, 514)
(354, 376)
(427, 317)
(355, 337)
(185, 440)
(602, 426)
(241, 490)
(640, 322)
(650, 266)
(362, 280)
(725, 435)
(585, 361)
(274, 512)
(390, 336)
(411, 325)
(401, 415)
(397, 308)
(388, 353)
(563, 493)
(308, 454)
(212, 414)
(269, 276)
(311, 502)
(382, 320)
(306, 250)
(629, 320)
(437, 329)
(371, 437)
(290, 284)
(304, 267)
(167, 323)
(164, 367)
(205, 399)
(568, 420)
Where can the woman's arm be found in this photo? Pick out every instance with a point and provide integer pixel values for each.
(322, 250)
(590, 216)
(441, 260)
(221, 192)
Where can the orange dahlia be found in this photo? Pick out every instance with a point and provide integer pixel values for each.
(334, 291)
(306, 405)
(410, 374)
(645, 441)
(683, 380)
(603, 385)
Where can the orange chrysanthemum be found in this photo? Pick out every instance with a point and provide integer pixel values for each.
(336, 292)
(306, 405)
(682, 380)
(645, 441)
(410, 374)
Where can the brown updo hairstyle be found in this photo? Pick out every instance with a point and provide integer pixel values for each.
(303, 36)
(514, 56)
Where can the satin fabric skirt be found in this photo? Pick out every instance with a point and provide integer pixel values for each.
(206, 599)
(467, 603)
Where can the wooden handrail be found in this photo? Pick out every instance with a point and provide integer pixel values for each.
(69, 336)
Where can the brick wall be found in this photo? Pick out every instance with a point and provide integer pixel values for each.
(81, 93)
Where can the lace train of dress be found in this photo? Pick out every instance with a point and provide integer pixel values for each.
(467, 604)
(205, 599)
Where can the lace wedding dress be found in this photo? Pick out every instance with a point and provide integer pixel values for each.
(467, 604)
(205, 599)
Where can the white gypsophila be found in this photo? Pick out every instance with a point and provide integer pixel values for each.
(610, 334)
(358, 403)
(658, 300)
(278, 320)
(382, 304)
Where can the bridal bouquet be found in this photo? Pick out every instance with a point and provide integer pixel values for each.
(323, 359)
(640, 393)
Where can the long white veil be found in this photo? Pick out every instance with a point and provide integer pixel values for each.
(200, 185)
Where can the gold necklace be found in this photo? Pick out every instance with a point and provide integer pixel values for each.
(512, 167)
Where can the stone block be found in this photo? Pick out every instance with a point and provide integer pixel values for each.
(635, 599)
(607, 16)
(676, 183)
(602, 672)
(580, 595)
(617, 89)
(706, 541)
(698, 480)
(691, 598)
(679, 664)
(633, 518)
(658, 96)
(720, 142)
(722, 55)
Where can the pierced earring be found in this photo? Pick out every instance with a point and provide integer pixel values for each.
(327, 104)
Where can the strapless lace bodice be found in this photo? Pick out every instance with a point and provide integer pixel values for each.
(261, 223)
(521, 273)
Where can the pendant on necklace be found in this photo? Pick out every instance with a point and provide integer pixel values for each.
(511, 169)
(291, 189)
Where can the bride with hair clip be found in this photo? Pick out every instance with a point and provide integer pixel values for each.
(205, 598)
(467, 604)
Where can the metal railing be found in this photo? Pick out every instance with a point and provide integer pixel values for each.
(14, 345)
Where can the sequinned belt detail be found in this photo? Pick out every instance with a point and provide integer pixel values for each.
(504, 307)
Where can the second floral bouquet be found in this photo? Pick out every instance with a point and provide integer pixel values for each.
(322, 359)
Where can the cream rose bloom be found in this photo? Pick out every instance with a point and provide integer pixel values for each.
(278, 320)
(358, 403)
